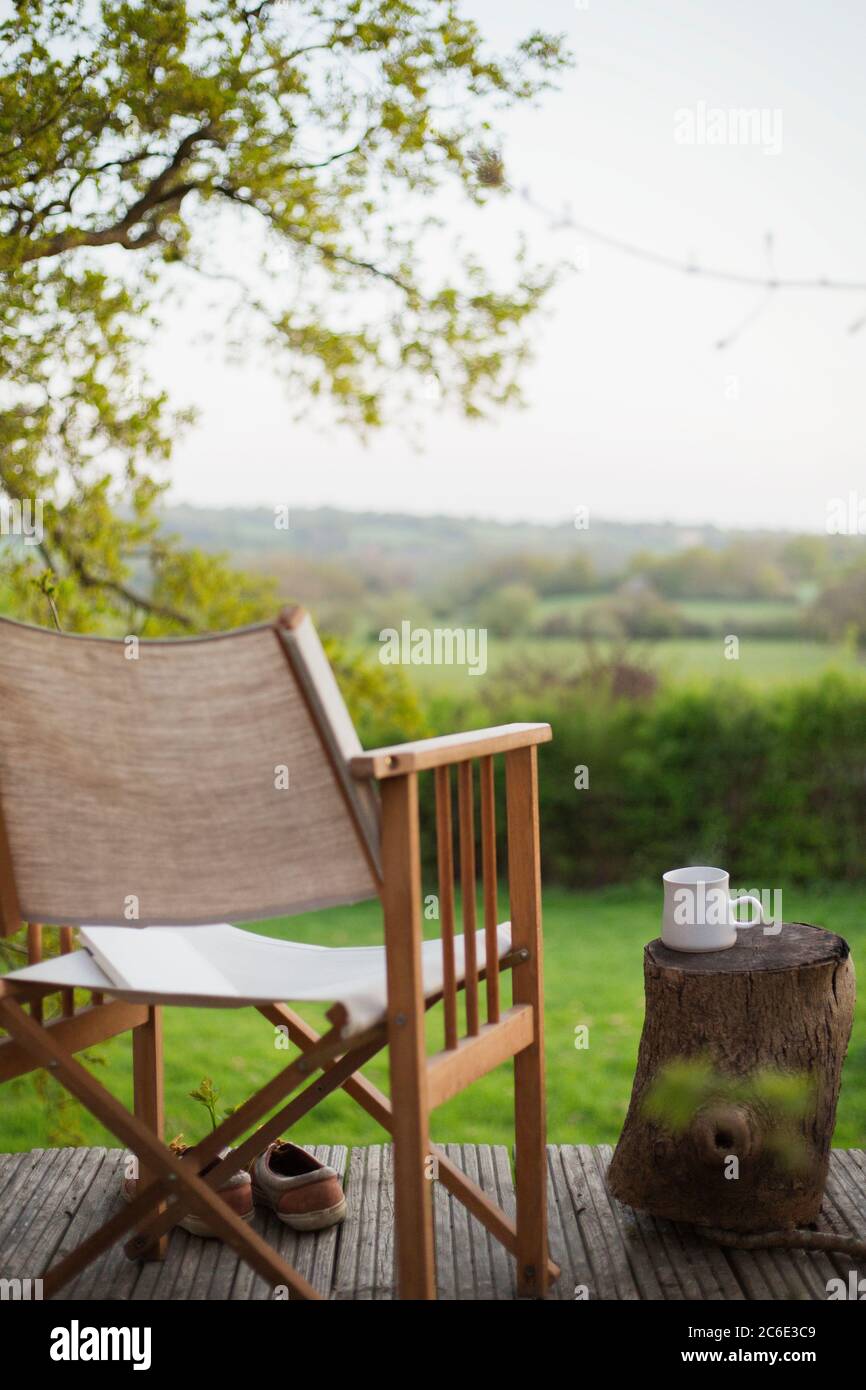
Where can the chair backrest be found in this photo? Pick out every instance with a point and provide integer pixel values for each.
(177, 782)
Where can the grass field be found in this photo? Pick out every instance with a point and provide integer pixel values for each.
(761, 660)
(593, 942)
(728, 615)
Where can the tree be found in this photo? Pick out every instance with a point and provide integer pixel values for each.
(506, 611)
(839, 611)
(137, 138)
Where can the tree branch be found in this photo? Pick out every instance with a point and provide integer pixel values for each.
(666, 262)
(160, 195)
(92, 581)
(328, 253)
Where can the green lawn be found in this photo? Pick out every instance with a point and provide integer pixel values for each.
(761, 660)
(593, 976)
(738, 615)
(735, 614)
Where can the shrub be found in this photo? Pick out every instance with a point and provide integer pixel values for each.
(770, 784)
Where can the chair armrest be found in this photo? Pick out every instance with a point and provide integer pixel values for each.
(451, 748)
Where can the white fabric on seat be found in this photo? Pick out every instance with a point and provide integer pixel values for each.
(157, 965)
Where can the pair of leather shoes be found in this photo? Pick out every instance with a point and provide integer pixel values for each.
(302, 1192)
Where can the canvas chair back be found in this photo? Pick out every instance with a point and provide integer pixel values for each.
(177, 783)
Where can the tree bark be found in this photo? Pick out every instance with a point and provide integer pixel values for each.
(782, 1002)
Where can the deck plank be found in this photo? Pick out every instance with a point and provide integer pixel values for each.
(647, 1252)
(62, 1231)
(312, 1254)
(43, 1207)
(51, 1199)
(496, 1177)
(608, 1254)
(36, 1171)
(355, 1270)
(112, 1276)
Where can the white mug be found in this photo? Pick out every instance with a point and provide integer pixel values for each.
(699, 912)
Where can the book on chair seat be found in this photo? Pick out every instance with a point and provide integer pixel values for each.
(167, 960)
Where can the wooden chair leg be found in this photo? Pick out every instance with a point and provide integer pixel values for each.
(530, 1120)
(401, 901)
(378, 1106)
(181, 1177)
(148, 1103)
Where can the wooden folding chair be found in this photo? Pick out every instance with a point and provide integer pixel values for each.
(220, 779)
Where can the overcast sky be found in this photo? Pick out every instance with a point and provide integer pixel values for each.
(633, 411)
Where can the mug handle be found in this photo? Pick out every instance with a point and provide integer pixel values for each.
(756, 902)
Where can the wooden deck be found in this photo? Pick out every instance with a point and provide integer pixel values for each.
(50, 1199)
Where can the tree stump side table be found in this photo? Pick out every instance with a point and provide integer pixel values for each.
(784, 1002)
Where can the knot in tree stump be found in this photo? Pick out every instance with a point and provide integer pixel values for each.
(720, 1132)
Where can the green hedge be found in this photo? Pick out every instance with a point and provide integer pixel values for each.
(770, 784)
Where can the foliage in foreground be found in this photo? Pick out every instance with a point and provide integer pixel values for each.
(783, 1100)
(142, 143)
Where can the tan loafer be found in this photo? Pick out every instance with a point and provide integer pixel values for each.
(236, 1192)
(303, 1193)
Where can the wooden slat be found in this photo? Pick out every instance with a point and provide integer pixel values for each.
(611, 1275)
(488, 879)
(445, 857)
(22, 1181)
(94, 1205)
(34, 943)
(670, 1262)
(843, 1207)
(566, 1215)
(496, 1179)
(9, 1164)
(38, 1202)
(149, 1096)
(111, 1274)
(34, 956)
(89, 1027)
(226, 1269)
(52, 1199)
(10, 908)
(67, 996)
(445, 1216)
(316, 1258)
(720, 1278)
(470, 1264)
(375, 1198)
(451, 1071)
(369, 1222)
(530, 1116)
(452, 748)
(100, 1238)
(401, 904)
(467, 890)
(648, 1252)
(196, 1264)
(385, 1262)
(158, 1279)
(487, 1272)
(91, 1195)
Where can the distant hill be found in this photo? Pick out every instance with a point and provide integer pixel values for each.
(419, 549)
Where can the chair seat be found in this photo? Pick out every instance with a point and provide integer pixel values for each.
(223, 967)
